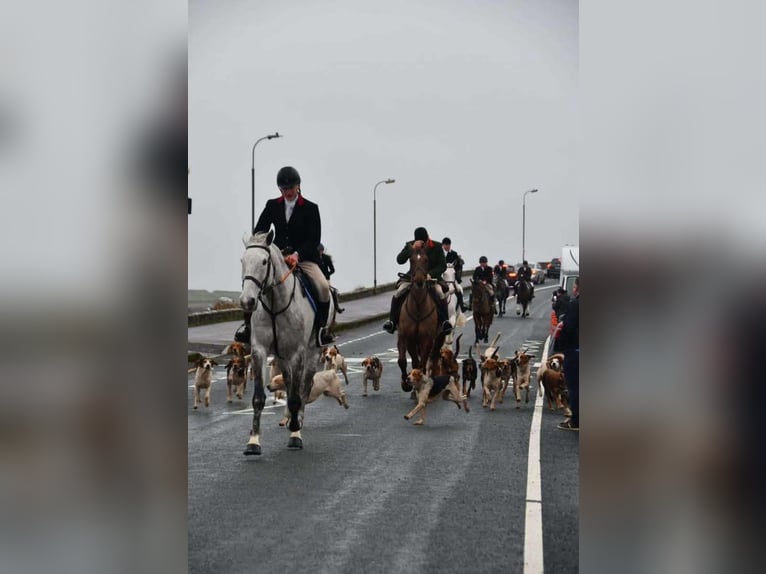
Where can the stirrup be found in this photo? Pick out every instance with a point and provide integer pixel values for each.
(324, 337)
(446, 327)
(389, 327)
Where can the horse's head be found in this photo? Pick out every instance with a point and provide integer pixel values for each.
(259, 268)
(449, 274)
(419, 266)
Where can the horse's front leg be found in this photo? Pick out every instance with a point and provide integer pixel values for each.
(259, 401)
(297, 397)
(401, 345)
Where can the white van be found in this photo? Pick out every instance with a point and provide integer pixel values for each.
(570, 266)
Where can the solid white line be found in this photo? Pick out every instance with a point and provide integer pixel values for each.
(533, 525)
(362, 338)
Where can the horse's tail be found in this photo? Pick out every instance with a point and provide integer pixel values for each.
(469, 352)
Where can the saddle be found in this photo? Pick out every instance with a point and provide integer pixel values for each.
(307, 287)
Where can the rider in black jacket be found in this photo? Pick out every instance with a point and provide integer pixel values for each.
(298, 229)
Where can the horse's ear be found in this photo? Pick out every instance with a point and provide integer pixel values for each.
(270, 236)
(246, 237)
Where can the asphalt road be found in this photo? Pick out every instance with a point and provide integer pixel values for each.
(372, 493)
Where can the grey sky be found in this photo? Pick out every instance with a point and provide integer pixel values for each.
(466, 104)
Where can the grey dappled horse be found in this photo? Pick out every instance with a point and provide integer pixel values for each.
(282, 323)
(456, 316)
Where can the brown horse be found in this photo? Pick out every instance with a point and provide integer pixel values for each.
(483, 307)
(419, 330)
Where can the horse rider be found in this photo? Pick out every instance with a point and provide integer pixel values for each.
(560, 301)
(483, 274)
(436, 266)
(298, 230)
(451, 256)
(500, 269)
(327, 267)
(525, 273)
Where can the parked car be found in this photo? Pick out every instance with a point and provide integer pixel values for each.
(554, 268)
(538, 272)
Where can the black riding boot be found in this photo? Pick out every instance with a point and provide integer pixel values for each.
(459, 296)
(242, 334)
(443, 313)
(393, 316)
(334, 293)
(323, 334)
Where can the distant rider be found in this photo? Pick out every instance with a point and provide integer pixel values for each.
(436, 266)
(457, 264)
(525, 273)
(483, 274)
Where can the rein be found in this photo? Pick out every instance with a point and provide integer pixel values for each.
(268, 289)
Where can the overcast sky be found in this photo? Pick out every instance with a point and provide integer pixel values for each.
(467, 104)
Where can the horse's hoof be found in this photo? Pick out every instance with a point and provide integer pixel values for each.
(252, 449)
(195, 407)
(228, 401)
(295, 443)
(406, 418)
(364, 395)
(406, 387)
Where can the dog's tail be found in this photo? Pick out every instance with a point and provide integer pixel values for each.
(457, 345)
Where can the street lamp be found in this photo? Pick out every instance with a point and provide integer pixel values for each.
(375, 234)
(524, 223)
(252, 178)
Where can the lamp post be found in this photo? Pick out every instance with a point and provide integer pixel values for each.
(375, 234)
(524, 223)
(252, 178)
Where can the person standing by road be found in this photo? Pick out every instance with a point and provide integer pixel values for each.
(568, 342)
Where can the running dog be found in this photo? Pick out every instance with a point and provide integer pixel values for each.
(373, 369)
(492, 371)
(469, 374)
(203, 379)
(428, 389)
(521, 375)
(236, 377)
(325, 383)
(332, 359)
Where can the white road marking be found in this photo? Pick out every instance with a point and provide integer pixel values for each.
(533, 524)
(362, 338)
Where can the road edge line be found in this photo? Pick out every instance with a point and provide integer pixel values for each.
(533, 516)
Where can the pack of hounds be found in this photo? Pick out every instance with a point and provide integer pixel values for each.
(440, 379)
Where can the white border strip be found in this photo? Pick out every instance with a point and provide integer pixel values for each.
(533, 525)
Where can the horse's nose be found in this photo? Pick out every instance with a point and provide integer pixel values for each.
(247, 303)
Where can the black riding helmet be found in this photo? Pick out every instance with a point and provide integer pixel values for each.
(421, 234)
(482, 259)
(288, 177)
(446, 241)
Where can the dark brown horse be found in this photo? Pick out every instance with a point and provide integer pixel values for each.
(419, 330)
(483, 307)
(523, 298)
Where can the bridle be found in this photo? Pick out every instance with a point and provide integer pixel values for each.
(267, 288)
